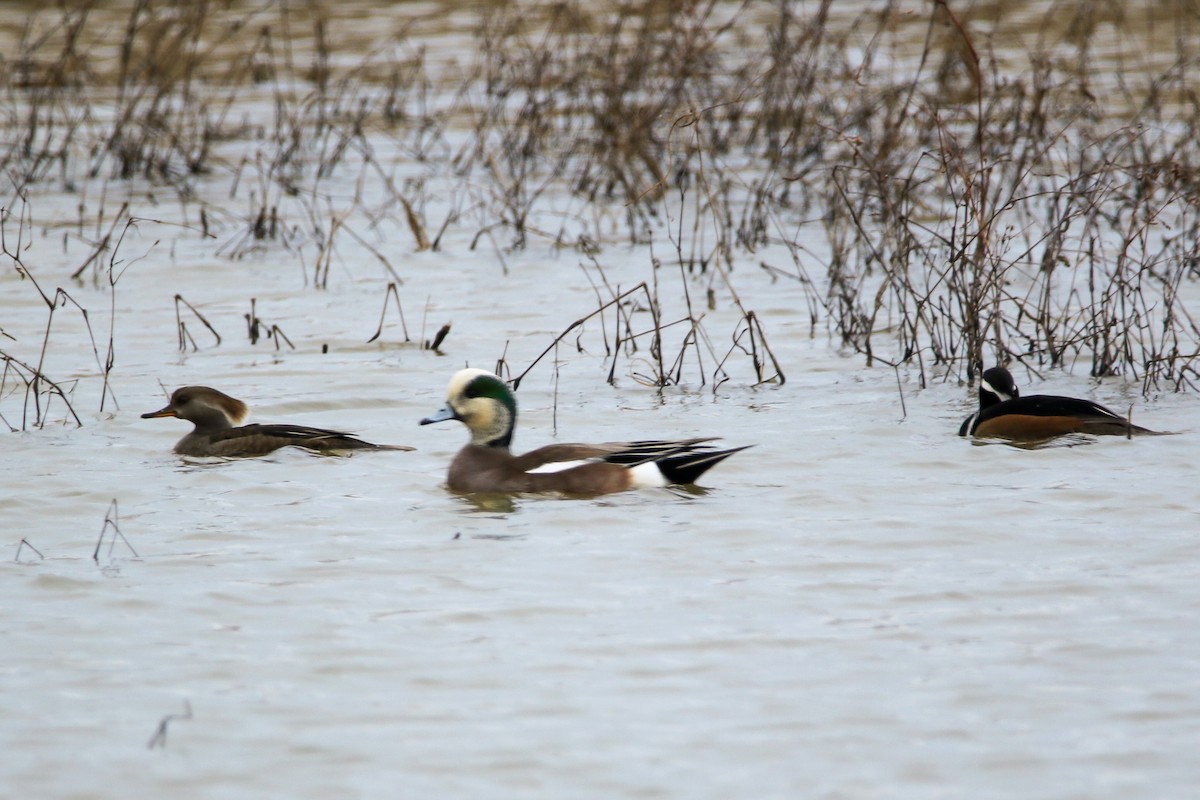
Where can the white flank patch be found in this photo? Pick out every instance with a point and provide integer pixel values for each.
(647, 475)
(559, 466)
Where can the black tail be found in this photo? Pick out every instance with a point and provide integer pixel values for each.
(687, 467)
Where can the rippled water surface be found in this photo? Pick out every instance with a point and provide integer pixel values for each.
(863, 605)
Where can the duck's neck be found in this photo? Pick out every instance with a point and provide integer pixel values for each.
(210, 420)
(498, 431)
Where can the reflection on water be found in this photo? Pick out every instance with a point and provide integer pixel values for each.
(489, 503)
(1066, 440)
(504, 504)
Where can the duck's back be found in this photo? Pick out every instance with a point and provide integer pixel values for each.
(1045, 416)
(257, 440)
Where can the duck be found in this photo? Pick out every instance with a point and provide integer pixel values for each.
(1004, 414)
(483, 402)
(218, 431)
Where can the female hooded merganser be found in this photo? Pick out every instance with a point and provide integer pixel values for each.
(483, 403)
(216, 416)
(1004, 414)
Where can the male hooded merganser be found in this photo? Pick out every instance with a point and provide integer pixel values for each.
(216, 416)
(483, 403)
(1004, 414)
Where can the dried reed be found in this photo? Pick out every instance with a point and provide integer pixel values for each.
(946, 203)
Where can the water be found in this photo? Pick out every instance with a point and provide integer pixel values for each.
(863, 605)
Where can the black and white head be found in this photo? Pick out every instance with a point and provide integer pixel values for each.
(995, 386)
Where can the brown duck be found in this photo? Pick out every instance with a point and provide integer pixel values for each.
(219, 432)
(483, 403)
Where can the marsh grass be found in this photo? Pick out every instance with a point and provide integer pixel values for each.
(25, 374)
(108, 265)
(111, 532)
(391, 293)
(159, 739)
(184, 335)
(257, 329)
(22, 545)
(950, 191)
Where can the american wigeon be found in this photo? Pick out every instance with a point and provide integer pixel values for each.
(1004, 414)
(483, 403)
(216, 417)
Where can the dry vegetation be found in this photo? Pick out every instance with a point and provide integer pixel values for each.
(946, 198)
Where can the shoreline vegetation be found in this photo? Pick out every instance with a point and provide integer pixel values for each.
(952, 185)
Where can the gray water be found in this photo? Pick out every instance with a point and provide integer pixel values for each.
(863, 605)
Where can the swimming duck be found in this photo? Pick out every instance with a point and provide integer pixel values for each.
(483, 403)
(218, 431)
(1004, 414)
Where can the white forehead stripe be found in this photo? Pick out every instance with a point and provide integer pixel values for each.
(460, 380)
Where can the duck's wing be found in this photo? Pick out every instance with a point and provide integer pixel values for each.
(1057, 415)
(260, 439)
(584, 469)
(625, 453)
(643, 465)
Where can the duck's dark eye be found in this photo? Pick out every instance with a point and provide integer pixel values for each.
(183, 399)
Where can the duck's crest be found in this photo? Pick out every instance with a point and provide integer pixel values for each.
(234, 410)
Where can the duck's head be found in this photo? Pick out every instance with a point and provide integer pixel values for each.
(995, 386)
(207, 408)
(482, 402)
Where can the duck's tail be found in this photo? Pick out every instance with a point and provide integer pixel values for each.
(685, 468)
